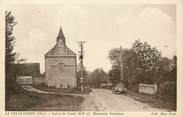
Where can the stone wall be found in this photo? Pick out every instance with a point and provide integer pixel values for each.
(148, 88)
(61, 71)
(24, 80)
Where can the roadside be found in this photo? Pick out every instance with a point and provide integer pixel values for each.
(151, 100)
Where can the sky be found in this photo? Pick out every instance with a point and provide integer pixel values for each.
(102, 26)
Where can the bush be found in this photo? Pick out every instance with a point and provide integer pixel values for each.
(167, 92)
(134, 88)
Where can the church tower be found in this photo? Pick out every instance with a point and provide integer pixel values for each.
(60, 65)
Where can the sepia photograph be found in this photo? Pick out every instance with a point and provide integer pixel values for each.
(91, 57)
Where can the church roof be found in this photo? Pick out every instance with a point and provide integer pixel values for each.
(60, 49)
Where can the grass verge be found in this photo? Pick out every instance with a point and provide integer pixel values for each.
(43, 102)
(151, 100)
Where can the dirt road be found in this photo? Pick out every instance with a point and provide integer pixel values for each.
(105, 100)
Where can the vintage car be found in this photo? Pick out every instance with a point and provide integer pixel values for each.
(119, 88)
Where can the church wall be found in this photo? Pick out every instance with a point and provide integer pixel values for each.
(61, 71)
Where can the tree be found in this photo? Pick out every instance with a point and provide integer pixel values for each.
(167, 70)
(141, 63)
(9, 38)
(165, 66)
(128, 64)
(148, 60)
(97, 77)
(114, 75)
(10, 72)
(172, 75)
(114, 57)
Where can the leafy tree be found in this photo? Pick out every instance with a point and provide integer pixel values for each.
(165, 67)
(148, 60)
(97, 77)
(9, 54)
(114, 75)
(114, 57)
(129, 63)
(141, 63)
(9, 37)
(172, 75)
(168, 69)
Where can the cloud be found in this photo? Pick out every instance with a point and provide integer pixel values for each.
(38, 26)
(72, 19)
(151, 25)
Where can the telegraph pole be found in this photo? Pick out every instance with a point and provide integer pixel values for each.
(81, 43)
(121, 65)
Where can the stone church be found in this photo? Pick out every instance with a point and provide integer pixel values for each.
(60, 65)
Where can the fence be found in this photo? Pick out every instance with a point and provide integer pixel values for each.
(148, 88)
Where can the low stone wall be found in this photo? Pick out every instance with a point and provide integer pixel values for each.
(148, 88)
(28, 80)
(24, 80)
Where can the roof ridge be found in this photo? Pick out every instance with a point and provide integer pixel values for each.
(56, 49)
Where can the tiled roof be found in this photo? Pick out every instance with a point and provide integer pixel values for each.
(60, 49)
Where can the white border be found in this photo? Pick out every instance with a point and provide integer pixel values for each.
(179, 45)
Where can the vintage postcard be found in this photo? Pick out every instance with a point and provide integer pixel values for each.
(91, 58)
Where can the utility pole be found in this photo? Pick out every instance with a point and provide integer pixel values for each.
(81, 43)
(121, 65)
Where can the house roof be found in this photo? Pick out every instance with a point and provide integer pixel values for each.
(60, 49)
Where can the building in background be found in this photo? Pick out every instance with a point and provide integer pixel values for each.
(60, 65)
(26, 72)
(27, 69)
